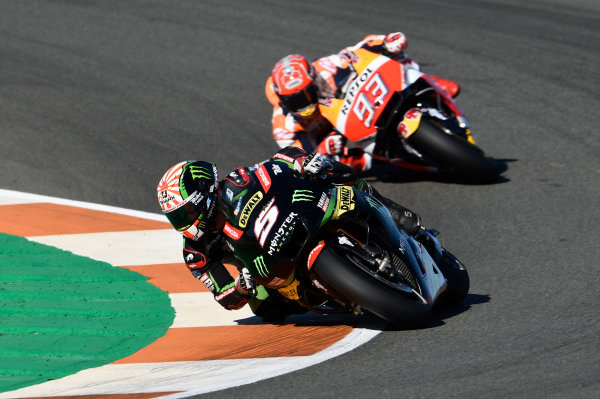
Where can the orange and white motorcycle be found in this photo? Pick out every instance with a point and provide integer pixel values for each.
(402, 116)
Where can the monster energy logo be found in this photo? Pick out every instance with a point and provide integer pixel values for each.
(302, 195)
(261, 267)
(199, 172)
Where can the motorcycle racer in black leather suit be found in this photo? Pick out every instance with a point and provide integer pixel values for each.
(196, 203)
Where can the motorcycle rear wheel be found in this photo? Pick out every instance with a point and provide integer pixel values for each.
(369, 293)
(453, 153)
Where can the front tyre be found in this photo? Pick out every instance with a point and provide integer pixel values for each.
(453, 153)
(369, 293)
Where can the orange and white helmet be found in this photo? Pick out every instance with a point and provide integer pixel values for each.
(395, 43)
(294, 83)
(187, 195)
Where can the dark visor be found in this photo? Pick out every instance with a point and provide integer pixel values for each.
(298, 101)
(183, 217)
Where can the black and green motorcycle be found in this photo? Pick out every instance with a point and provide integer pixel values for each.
(335, 249)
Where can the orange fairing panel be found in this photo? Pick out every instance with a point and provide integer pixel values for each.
(378, 77)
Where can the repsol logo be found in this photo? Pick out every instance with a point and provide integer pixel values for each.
(249, 207)
(354, 89)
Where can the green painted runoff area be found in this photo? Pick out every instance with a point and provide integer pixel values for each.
(61, 313)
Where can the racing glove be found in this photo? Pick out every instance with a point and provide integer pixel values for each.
(319, 167)
(244, 284)
(332, 145)
(310, 165)
(316, 165)
(395, 43)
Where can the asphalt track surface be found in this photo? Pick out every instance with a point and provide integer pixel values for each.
(99, 98)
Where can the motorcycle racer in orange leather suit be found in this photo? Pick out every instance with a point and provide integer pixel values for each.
(296, 87)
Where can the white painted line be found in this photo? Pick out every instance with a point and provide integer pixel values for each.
(21, 196)
(201, 310)
(123, 248)
(15, 200)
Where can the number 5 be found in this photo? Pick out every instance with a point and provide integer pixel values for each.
(264, 223)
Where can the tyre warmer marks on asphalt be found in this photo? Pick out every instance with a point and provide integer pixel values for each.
(206, 348)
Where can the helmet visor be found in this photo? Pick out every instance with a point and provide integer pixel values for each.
(301, 100)
(308, 111)
(183, 217)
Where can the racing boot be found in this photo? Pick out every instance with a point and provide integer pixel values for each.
(449, 86)
(411, 223)
(404, 218)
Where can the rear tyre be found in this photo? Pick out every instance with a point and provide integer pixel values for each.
(369, 293)
(458, 279)
(453, 153)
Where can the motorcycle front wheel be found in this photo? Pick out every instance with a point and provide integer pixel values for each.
(457, 276)
(455, 155)
(358, 286)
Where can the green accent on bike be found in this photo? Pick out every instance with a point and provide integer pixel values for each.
(330, 207)
(360, 184)
(302, 195)
(373, 202)
(62, 313)
(290, 165)
(261, 267)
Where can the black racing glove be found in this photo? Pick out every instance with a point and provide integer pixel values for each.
(319, 167)
(244, 284)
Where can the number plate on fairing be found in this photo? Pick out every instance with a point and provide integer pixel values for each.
(378, 77)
